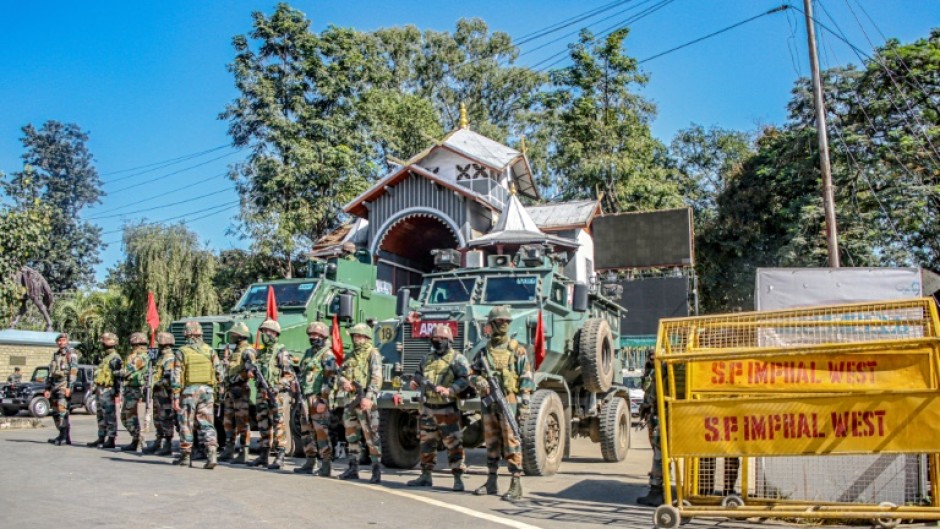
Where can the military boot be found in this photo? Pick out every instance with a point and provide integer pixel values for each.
(133, 446)
(57, 440)
(376, 472)
(458, 481)
(199, 453)
(109, 443)
(353, 471)
(309, 466)
(211, 459)
(153, 447)
(262, 459)
(184, 460)
(653, 499)
(515, 489)
(241, 458)
(326, 468)
(166, 447)
(489, 488)
(229, 451)
(68, 434)
(424, 480)
(96, 443)
(278, 460)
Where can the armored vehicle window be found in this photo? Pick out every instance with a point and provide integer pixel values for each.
(286, 294)
(514, 288)
(450, 291)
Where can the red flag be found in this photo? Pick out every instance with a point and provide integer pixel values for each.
(271, 314)
(539, 348)
(337, 341)
(153, 317)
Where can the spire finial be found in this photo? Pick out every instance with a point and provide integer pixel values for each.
(522, 145)
(464, 122)
(512, 188)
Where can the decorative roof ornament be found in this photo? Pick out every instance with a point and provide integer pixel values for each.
(516, 227)
(522, 146)
(464, 121)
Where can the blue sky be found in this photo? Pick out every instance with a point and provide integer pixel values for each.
(147, 80)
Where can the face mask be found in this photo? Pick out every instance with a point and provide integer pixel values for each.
(268, 339)
(500, 327)
(316, 343)
(364, 345)
(440, 346)
(234, 340)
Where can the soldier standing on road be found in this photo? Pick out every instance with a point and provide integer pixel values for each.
(107, 391)
(134, 375)
(274, 363)
(360, 380)
(164, 418)
(195, 373)
(650, 409)
(63, 370)
(449, 372)
(317, 381)
(236, 399)
(510, 367)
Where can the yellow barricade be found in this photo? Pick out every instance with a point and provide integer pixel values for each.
(819, 381)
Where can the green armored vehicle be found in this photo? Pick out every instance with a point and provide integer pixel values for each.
(578, 390)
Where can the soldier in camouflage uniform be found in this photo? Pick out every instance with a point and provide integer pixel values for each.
(274, 364)
(63, 370)
(317, 381)
(361, 376)
(195, 373)
(510, 366)
(164, 418)
(107, 388)
(237, 395)
(134, 375)
(650, 409)
(449, 372)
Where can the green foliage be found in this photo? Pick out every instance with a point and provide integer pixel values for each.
(24, 233)
(59, 172)
(86, 314)
(236, 269)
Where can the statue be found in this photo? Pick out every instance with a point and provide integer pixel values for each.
(37, 290)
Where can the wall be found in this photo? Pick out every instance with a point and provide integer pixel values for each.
(26, 357)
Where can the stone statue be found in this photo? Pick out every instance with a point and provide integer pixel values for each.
(37, 290)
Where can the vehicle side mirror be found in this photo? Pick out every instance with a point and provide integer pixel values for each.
(402, 302)
(345, 307)
(580, 301)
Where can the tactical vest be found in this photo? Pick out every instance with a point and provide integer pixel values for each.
(159, 370)
(235, 360)
(356, 368)
(197, 366)
(268, 363)
(313, 378)
(135, 379)
(59, 368)
(438, 371)
(501, 362)
(104, 377)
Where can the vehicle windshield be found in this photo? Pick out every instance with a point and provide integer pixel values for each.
(455, 290)
(513, 288)
(633, 382)
(285, 294)
(40, 374)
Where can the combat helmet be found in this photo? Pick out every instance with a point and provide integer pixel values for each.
(361, 329)
(317, 327)
(271, 325)
(165, 338)
(442, 331)
(499, 312)
(192, 328)
(138, 338)
(240, 329)
(109, 339)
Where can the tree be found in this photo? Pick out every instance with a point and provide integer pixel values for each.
(59, 172)
(237, 269)
(86, 315)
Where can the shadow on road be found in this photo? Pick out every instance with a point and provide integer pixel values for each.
(578, 505)
(27, 441)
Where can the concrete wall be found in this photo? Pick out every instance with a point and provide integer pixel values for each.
(26, 357)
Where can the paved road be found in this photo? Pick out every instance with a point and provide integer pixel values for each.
(47, 487)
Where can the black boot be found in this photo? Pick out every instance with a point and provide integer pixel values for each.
(262, 459)
(154, 446)
(166, 447)
(241, 458)
(489, 488)
(96, 443)
(309, 466)
(229, 451)
(59, 439)
(326, 469)
(278, 460)
(424, 480)
(376, 472)
(515, 489)
(184, 460)
(133, 446)
(353, 471)
(109, 443)
(68, 434)
(458, 481)
(211, 459)
(653, 499)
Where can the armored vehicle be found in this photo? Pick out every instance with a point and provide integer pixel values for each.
(578, 393)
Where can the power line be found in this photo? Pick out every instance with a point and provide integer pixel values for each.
(223, 210)
(567, 22)
(163, 206)
(163, 177)
(215, 207)
(165, 193)
(163, 163)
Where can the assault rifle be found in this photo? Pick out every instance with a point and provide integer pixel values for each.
(116, 365)
(269, 392)
(298, 394)
(424, 385)
(496, 395)
(220, 371)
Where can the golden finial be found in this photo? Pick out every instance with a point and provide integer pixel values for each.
(522, 145)
(464, 122)
(512, 188)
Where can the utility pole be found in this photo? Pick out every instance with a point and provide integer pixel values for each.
(829, 207)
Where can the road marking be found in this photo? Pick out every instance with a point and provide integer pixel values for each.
(437, 503)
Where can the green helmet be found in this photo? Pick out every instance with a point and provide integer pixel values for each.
(193, 328)
(240, 329)
(109, 339)
(138, 338)
(362, 329)
(165, 338)
(271, 325)
(499, 312)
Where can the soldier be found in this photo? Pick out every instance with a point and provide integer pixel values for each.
(360, 380)
(16, 377)
(164, 418)
(449, 372)
(195, 373)
(317, 381)
(509, 364)
(649, 408)
(134, 375)
(274, 364)
(236, 398)
(63, 370)
(107, 390)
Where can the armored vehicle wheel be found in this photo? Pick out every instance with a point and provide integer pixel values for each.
(399, 432)
(544, 431)
(596, 355)
(615, 429)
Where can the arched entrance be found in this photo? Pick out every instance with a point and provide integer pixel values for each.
(403, 245)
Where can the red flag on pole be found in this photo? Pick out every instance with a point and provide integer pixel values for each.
(153, 317)
(539, 349)
(337, 339)
(271, 314)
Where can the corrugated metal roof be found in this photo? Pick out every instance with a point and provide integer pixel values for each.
(515, 226)
(575, 213)
(482, 148)
(16, 336)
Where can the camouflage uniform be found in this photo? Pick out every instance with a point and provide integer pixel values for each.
(15, 378)
(274, 364)
(237, 398)
(107, 388)
(363, 367)
(317, 382)
(655, 496)
(164, 417)
(509, 363)
(440, 417)
(195, 373)
(63, 370)
(134, 375)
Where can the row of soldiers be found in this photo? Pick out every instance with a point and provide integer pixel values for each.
(186, 382)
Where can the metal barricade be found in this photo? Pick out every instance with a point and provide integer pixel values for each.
(818, 382)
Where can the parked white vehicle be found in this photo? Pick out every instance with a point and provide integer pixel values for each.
(633, 380)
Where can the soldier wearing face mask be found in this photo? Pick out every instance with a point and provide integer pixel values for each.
(274, 363)
(236, 401)
(317, 380)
